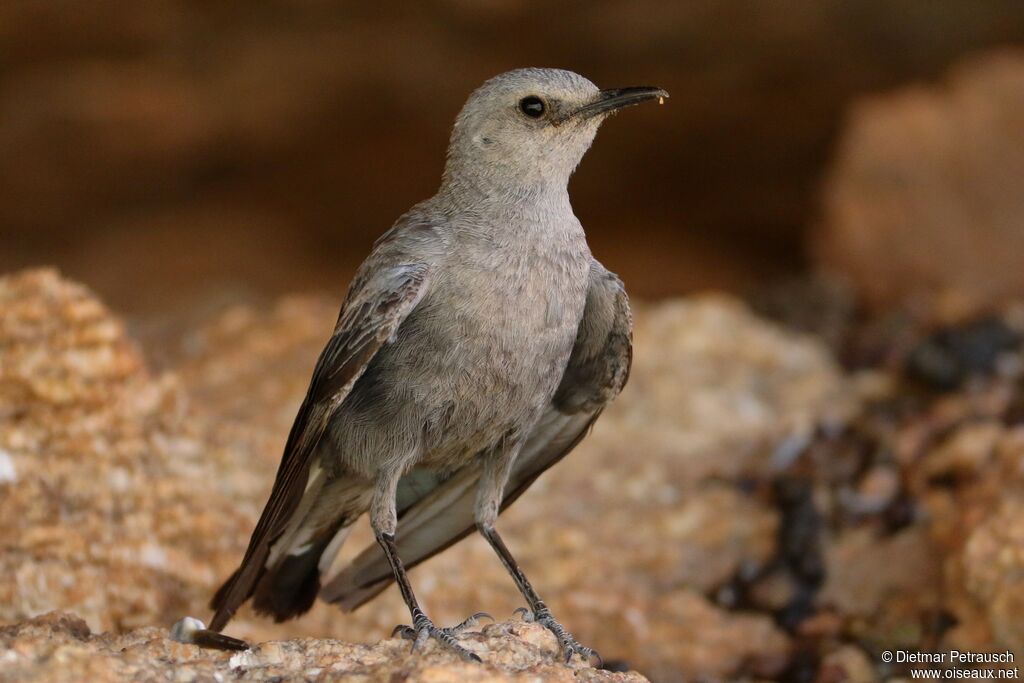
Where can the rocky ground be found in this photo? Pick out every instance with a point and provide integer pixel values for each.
(747, 510)
(59, 647)
(150, 483)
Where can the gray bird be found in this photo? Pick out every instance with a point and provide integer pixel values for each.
(477, 344)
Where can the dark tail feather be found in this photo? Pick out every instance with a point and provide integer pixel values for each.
(282, 575)
(289, 589)
(217, 601)
(237, 589)
(285, 590)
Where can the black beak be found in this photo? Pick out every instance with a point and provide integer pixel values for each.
(617, 98)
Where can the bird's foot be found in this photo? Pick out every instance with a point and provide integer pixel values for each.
(566, 642)
(423, 629)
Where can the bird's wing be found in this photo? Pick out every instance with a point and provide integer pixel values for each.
(437, 510)
(384, 291)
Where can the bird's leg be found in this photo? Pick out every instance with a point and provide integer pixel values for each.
(383, 518)
(538, 611)
(488, 505)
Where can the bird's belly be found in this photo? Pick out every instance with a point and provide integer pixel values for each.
(492, 384)
(501, 358)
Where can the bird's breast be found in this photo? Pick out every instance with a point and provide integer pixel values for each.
(500, 327)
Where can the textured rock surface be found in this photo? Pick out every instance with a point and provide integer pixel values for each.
(112, 504)
(59, 647)
(925, 199)
(938, 565)
(152, 483)
(745, 511)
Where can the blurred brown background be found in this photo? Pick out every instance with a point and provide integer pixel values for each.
(175, 151)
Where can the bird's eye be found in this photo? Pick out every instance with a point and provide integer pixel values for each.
(532, 106)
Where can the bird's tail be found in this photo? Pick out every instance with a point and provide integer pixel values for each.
(284, 580)
(437, 513)
(287, 588)
(290, 587)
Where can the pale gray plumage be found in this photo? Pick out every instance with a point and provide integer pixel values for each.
(477, 344)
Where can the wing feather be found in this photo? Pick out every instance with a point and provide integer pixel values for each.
(436, 511)
(381, 296)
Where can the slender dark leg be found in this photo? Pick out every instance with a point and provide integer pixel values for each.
(537, 611)
(422, 627)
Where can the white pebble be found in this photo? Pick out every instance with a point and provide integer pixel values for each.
(243, 660)
(185, 629)
(7, 472)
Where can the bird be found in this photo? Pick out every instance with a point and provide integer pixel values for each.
(476, 346)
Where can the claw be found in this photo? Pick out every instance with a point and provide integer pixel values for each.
(587, 653)
(526, 614)
(468, 623)
(566, 643)
(421, 639)
(570, 647)
(423, 630)
(407, 632)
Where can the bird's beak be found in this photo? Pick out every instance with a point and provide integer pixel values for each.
(612, 100)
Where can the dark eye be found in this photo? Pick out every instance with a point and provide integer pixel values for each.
(532, 106)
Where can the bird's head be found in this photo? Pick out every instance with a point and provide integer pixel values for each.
(528, 129)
